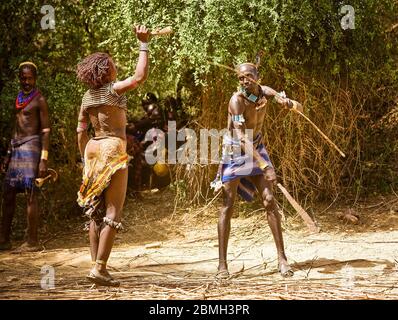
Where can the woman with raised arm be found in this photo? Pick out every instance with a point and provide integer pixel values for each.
(104, 156)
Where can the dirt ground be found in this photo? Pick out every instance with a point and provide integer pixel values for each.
(166, 255)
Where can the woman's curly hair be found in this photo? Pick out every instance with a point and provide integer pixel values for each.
(94, 70)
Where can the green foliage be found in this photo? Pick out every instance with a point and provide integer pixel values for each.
(307, 54)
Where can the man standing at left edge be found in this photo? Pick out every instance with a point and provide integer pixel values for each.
(26, 158)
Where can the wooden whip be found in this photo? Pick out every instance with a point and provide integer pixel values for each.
(162, 32)
(321, 133)
(307, 219)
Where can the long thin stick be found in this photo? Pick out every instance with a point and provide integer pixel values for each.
(319, 130)
(305, 117)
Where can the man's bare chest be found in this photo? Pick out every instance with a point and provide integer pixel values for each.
(29, 113)
(254, 114)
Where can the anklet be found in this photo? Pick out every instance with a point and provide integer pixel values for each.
(101, 262)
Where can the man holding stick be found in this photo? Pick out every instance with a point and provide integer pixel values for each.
(26, 157)
(251, 169)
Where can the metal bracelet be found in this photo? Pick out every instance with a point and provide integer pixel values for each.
(44, 155)
(144, 46)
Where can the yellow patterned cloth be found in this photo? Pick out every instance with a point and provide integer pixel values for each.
(99, 167)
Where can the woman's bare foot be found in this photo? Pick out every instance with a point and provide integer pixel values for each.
(102, 278)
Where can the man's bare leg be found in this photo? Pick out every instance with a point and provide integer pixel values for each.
(114, 199)
(265, 189)
(224, 223)
(32, 216)
(32, 219)
(9, 198)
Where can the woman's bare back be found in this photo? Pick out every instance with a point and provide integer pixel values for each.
(108, 121)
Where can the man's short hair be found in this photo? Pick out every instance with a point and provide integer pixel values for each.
(28, 65)
(247, 64)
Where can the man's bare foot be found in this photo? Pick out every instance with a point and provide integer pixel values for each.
(5, 245)
(27, 247)
(222, 274)
(285, 269)
(102, 278)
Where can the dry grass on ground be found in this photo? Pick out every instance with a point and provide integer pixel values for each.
(167, 254)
